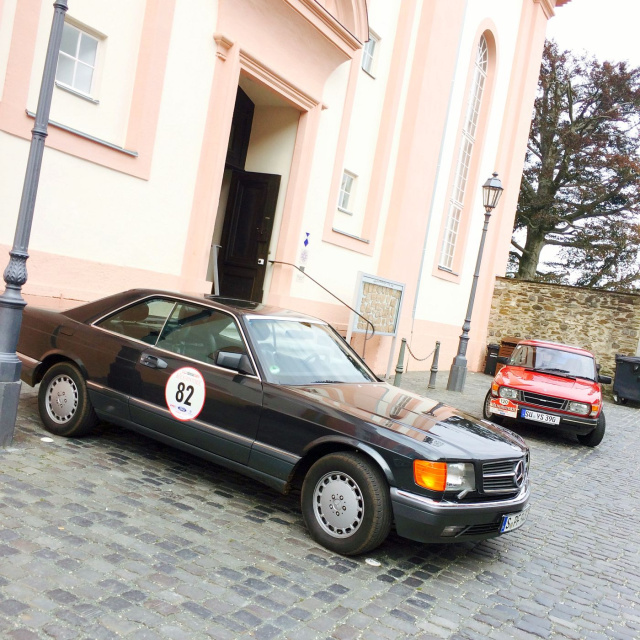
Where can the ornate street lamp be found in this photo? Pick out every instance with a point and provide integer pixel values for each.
(15, 275)
(491, 192)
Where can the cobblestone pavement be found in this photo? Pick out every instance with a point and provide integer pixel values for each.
(116, 536)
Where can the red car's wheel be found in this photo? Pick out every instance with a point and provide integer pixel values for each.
(594, 438)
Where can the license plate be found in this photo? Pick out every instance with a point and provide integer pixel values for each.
(513, 521)
(503, 407)
(527, 414)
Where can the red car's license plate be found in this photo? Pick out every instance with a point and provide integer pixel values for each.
(527, 414)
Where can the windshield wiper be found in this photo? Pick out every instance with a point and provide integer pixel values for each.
(327, 382)
(564, 373)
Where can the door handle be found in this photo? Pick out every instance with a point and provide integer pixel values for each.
(152, 362)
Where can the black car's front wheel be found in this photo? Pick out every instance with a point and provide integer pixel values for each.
(346, 504)
(63, 402)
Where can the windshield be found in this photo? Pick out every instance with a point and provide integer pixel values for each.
(554, 361)
(297, 352)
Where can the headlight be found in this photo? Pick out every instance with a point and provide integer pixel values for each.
(460, 477)
(505, 392)
(444, 476)
(579, 407)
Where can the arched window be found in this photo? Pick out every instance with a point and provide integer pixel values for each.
(467, 141)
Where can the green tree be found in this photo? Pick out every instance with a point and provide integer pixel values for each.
(580, 189)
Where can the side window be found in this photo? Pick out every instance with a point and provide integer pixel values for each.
(77, 59)
(369, 54)
(521, 356)
(347, 191)
(141, 321)
(200, 333)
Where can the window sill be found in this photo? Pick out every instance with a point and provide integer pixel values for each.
(78, 94)
(369, 73)
(86, 136)
(350, 235)
(446, 274)
(349, 213)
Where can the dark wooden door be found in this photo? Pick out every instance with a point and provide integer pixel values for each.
(246, 233)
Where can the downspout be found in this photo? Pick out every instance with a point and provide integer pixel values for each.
(437, 179)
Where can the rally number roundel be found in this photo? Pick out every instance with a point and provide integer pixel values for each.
(185, 393)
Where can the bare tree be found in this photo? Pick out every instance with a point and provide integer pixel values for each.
(580, 189)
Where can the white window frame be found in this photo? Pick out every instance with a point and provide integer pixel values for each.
(82, 33)
(347, 192)
(463, 163)
(370, 54)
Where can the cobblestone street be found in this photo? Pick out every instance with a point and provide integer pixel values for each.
(116, 536)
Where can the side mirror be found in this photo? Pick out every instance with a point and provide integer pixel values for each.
(503, 359)
(605, 379)
(237, 361)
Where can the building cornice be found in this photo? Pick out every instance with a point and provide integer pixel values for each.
(338, 33)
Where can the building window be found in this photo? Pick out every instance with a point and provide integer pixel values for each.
(369, 54)
(347, 191)
(468, 138)
(77, 59)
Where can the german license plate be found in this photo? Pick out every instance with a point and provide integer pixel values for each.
(513, 521)
(527, 414)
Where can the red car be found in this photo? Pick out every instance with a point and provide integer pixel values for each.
(547, 384)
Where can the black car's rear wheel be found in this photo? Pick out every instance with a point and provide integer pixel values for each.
(485, 410)
(594, 438)
(346, 504)
(63, 402)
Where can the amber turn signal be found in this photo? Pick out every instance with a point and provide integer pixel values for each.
(430, 475)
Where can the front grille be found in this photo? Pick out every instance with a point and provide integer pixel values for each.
(480, 529)
(505, 476)
(548, 402)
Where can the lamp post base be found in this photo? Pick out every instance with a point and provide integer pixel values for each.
(458, 374)
(9, 396)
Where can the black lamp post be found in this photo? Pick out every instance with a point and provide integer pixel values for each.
(15, 275)
(491, 192)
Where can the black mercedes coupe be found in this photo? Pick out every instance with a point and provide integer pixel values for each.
(282, 398)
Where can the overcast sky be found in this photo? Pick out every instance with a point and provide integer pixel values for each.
(609, 30)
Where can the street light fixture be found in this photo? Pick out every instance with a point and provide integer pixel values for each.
(491, 192)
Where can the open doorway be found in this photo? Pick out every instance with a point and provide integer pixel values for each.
(256, 175)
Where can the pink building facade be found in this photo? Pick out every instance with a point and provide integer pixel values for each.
(347, 137)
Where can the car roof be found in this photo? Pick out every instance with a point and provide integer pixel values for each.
(556, 345)
(93, 310)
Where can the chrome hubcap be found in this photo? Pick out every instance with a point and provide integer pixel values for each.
(338, 504)
(62, 399)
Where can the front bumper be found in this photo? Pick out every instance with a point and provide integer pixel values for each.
(569, 423)
(424, 520)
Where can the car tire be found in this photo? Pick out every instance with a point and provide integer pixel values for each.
(594, 438)
(358, 489)
(63, 402)
(487, 414)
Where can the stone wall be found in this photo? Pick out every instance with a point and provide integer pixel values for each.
(601, 321)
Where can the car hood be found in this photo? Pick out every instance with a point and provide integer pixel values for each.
(451, 433)
(579, 389)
